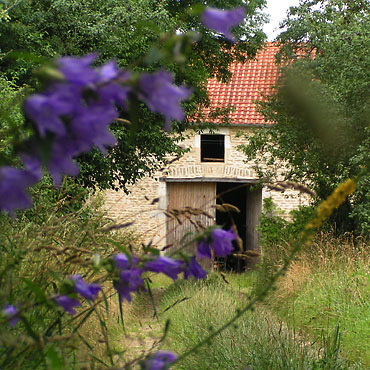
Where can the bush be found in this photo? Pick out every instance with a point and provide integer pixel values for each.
(277, 233)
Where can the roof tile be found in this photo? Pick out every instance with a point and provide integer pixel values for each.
(248, 83)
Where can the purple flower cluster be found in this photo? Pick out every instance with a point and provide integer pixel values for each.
(11, 312)
(129, 270)
(13, 188)
(222, 21)
(129, 277)
(88, 291)
(220, 242)
(74, 114)
(162, 96)
(159, 360)
(77, 111)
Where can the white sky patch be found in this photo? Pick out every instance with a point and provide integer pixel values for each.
(277, 10)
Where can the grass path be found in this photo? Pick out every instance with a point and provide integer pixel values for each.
(260, 340)
(143, 326)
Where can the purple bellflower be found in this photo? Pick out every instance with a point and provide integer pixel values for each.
(130, 277)
(204, 250)
(162, 96)
(78, 70)
(67, 303)
(61, 160)
(48, 109)
(165, 265)
(12, 312)
(220, 242)
(13, 188)
(160, 360)
(89, 127)
(109, 72)
(104, 81)
(78, 111)
(129, 281)
(32, 163)
(88, 291)
(193, 268)
(122, 262)
(111, 85)
(222, 21)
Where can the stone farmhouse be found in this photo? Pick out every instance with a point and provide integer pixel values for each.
(189, 192)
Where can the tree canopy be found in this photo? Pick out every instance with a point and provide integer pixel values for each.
(135, 33)
(320, 107)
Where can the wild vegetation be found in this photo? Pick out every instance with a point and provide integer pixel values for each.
(321, 108)
(317, 316)
(315, 319)
(140, 36)
(324, 293)
(56, 238)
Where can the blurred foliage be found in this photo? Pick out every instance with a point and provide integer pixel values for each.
(277, 232)
(44, 245)
(142, 35)
(321, 107)
(11, 120)
(326, 286)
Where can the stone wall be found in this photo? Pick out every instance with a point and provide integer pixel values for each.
(148, 198)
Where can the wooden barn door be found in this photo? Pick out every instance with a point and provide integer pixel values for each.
(191, 207)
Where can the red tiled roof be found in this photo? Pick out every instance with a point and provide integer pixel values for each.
(248, 83)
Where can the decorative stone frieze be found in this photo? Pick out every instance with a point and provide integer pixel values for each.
(208, 170)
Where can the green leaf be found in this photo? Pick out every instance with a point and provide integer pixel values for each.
(53, 359)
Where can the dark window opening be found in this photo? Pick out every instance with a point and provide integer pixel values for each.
(212, 148)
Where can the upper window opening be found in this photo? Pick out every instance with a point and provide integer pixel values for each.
(212, 148)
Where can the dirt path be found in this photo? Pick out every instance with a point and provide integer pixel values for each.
(143, 327)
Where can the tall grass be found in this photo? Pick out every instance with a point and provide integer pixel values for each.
(258, 341)
(325, 293)
(328, 287)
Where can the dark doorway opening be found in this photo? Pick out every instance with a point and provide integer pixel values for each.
(236, 195)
